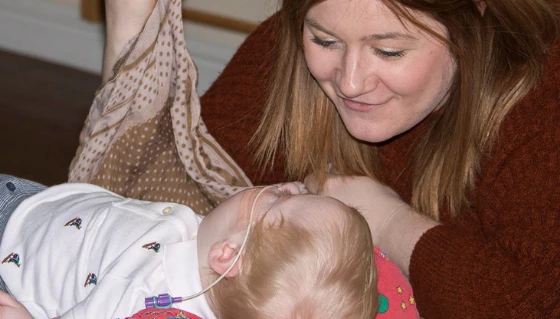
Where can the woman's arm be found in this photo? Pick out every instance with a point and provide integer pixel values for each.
(500, 258)
(124, 20)
(395, 227)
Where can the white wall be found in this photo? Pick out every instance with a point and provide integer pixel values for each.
(53, 30)
(250, 10)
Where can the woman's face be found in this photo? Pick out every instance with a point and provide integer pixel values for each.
(383, 77)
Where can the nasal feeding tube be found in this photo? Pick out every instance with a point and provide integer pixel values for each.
(165, 300)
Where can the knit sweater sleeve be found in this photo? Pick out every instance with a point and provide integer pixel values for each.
(500, 259)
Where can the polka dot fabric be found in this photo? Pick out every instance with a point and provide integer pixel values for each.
(144, 137)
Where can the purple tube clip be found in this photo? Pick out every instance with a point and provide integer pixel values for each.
(161, 301)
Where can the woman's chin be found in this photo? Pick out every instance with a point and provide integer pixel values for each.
(370, 132)
(372, 136)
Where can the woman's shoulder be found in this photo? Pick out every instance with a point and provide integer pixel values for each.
(539, 111)
(526, 153)
(547, 88)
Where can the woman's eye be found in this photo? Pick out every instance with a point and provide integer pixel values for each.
(389, 54)
(325, 44)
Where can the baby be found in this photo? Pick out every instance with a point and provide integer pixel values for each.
(80, 251)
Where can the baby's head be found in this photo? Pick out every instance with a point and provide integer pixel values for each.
(307, 257)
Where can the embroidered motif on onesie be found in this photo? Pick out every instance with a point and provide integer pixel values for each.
(153, 246)
(75, 222)
(90, 280)
(12, 258)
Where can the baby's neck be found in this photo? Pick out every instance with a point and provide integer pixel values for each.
(207, 277)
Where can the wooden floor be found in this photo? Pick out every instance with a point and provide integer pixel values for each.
(42, 109)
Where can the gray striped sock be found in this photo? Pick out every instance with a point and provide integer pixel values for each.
(13, 191)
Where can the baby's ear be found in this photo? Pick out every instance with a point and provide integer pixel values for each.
(221, 256)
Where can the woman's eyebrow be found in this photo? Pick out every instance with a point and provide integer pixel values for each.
(389, 35)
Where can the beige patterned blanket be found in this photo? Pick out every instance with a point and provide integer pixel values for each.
(144, 137)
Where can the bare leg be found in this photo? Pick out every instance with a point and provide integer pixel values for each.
(124, 20)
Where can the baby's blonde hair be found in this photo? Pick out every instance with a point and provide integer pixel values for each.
(290, 271)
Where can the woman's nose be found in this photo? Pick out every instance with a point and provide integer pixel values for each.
(355, 76)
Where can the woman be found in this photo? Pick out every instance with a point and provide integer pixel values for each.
(427, 97)
(437, 101)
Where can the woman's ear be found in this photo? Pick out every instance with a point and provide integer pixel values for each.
(221, 255)
(481, 6)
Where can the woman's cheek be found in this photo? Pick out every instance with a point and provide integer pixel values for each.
(320, 64)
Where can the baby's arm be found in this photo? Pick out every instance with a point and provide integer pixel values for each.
(10, 308)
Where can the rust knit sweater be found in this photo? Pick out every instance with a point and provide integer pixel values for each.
(501, 259)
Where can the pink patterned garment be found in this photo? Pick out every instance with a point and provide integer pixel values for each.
(170, 313)
(144, 137)
(395, 293)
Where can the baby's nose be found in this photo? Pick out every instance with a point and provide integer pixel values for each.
(294, 188)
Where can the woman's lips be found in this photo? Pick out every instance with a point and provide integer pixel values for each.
(359, 106)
